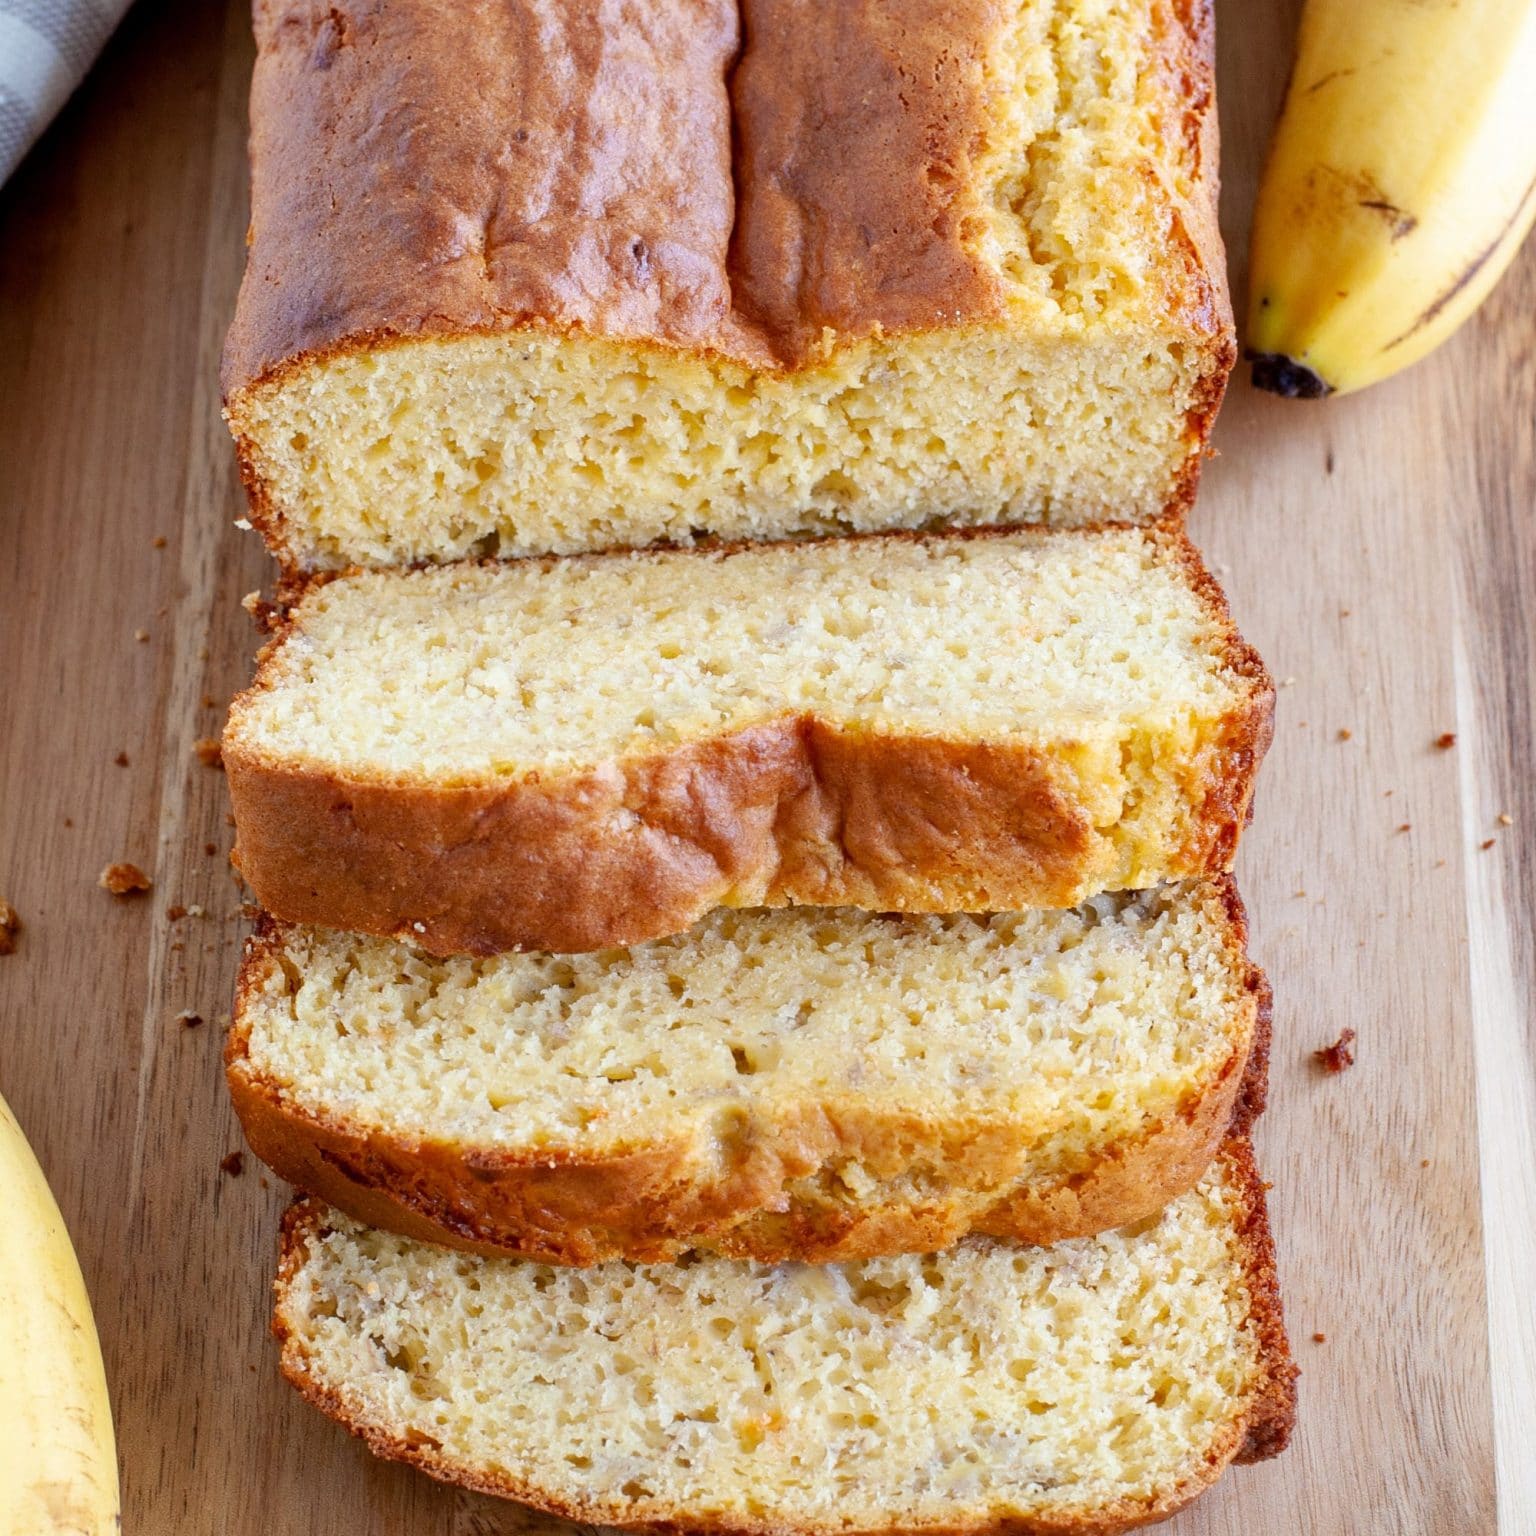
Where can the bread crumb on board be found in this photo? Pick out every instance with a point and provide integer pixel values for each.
(1336, 1057)
(209, 751)
(10, 926)
(189, 1020)
(1446, 740)
(233, 1165)
(124, 880)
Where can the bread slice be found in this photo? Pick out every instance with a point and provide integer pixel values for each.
(572, 754)
(562, 277)
(807, 1084)
(1087, 1387)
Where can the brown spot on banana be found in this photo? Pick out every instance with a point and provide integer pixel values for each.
(1403, 222)
(1328, 79)
(1468, 273)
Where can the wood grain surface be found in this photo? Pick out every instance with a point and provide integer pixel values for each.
(1380, 550)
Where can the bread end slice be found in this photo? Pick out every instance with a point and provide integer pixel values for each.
(1087, 1388)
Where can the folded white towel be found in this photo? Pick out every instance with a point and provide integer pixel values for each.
(46, 46)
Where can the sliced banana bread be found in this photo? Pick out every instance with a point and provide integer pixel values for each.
(572, 754)
(812, 1084)
(1087, 1387)
(556, 277)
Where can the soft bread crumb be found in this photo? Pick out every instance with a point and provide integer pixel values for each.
(443, 450)
(990, 1385)
(465, 671)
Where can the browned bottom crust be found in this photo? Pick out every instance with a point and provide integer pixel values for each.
(772, 1193)
(1263, 1430)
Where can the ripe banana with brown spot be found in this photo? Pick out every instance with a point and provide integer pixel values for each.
(58, 1466)
(1401, 182)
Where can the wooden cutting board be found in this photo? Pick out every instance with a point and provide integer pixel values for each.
(1381, 551)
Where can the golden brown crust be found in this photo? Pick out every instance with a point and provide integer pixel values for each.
(855, 129)
(615, 202)
(769, 1188)
(1272, 1418)
(447, 167)
(1196, 274)
(793, 810)
(1261, 1431)
(648, 1207)
(848, 216)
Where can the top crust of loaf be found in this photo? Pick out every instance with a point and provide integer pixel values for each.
(755, 188)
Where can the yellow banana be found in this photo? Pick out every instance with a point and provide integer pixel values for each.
(1401, 181)
(58, 1465)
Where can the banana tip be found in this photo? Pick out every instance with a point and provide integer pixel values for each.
(1282, 375)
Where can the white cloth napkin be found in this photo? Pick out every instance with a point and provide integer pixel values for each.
(46, 46)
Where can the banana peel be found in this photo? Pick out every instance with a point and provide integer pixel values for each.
(1401, 182)
(58, 1465)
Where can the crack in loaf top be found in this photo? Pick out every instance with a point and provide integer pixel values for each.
(743, 181)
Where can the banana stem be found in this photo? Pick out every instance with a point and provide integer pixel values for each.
(1282, 375)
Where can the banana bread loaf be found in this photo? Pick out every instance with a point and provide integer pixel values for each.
(541, 276)
(576, 753)
(1088, 1387)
